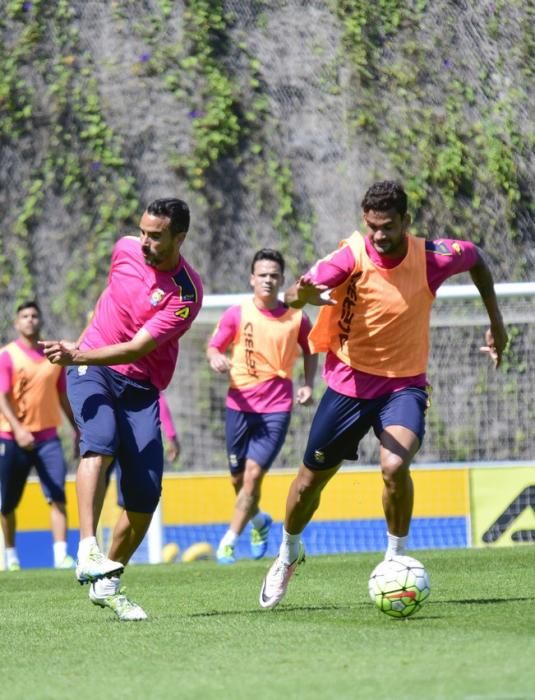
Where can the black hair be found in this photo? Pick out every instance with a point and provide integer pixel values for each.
(385, 196)
(268, 254)
(175, 210)
(32, 304)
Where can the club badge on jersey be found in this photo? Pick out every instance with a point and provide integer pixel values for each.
(156, 297)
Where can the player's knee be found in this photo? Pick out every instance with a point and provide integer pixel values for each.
(309, 485)
(394, 468)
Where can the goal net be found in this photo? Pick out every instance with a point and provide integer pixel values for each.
(476, 412)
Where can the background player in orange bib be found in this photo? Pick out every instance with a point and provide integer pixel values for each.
(32, 394)
(264, 336)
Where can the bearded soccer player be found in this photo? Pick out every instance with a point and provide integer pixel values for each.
(375, 331)
(266, 338)
(125, 357)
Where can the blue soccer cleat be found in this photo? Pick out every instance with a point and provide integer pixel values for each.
(259, 539)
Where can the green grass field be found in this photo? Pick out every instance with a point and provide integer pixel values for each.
(207, 637)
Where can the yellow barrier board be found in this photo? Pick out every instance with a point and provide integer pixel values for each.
(502, 506)
(350, 495)
(190, 499)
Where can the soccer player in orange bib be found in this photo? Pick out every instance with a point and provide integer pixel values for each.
(32, 392)
(265, 336)
(374, 328)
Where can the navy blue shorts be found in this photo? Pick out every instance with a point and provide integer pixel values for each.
(15, 466)
(341, 422)
(256, 436)
(118, 416)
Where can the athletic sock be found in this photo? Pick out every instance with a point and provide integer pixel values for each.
(228, 539)
(105, 587)
(259, 520)
(11, 556)
(60, 552)
(289, 549)
(396, 545)
(85, 545)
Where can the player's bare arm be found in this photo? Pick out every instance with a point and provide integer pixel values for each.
(304, 393)
(496, 336)
(306, 292)
(64, 352)
(219, 362)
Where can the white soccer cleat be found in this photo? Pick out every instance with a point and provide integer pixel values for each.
(276, 582)
(97, 566)
(125, 609)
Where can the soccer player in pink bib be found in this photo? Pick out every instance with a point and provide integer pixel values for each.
(265, 338)
(375, 331)
(123, 360)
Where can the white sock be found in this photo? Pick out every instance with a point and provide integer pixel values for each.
(289, 549)
(105, 587)
(228, 539)
(259, 520)
(11, 556)
(396, 545)
(60, 552)
(85, 546)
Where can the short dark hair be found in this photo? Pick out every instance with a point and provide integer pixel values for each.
(268, 254)
(385, 196)
(175, 210)
(32, 304)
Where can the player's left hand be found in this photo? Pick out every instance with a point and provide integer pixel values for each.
(59, 352)
(173, 449)
(304, 396)
(496, 339)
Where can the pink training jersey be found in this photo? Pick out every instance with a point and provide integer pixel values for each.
(6, 384)
(444, 259)
(272, 396)
(138, 296)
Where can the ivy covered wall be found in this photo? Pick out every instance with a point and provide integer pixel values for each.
(270, 119)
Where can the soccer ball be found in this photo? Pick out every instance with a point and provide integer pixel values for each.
(398, 586)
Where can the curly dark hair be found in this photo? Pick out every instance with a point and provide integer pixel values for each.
(385, 196)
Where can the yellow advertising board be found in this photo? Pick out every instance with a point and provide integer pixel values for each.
(502, 505)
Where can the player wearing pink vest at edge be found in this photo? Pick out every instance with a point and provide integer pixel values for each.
(374, 327)
(123, 360)
(32, 391)
(265, 337)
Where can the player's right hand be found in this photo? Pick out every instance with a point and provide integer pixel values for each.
(220, 363)
(59, 352)
(311, 293)
(24, 439)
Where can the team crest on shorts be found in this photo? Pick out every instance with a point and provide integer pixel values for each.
(319, 457)
(156, 297)
(82, 369)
